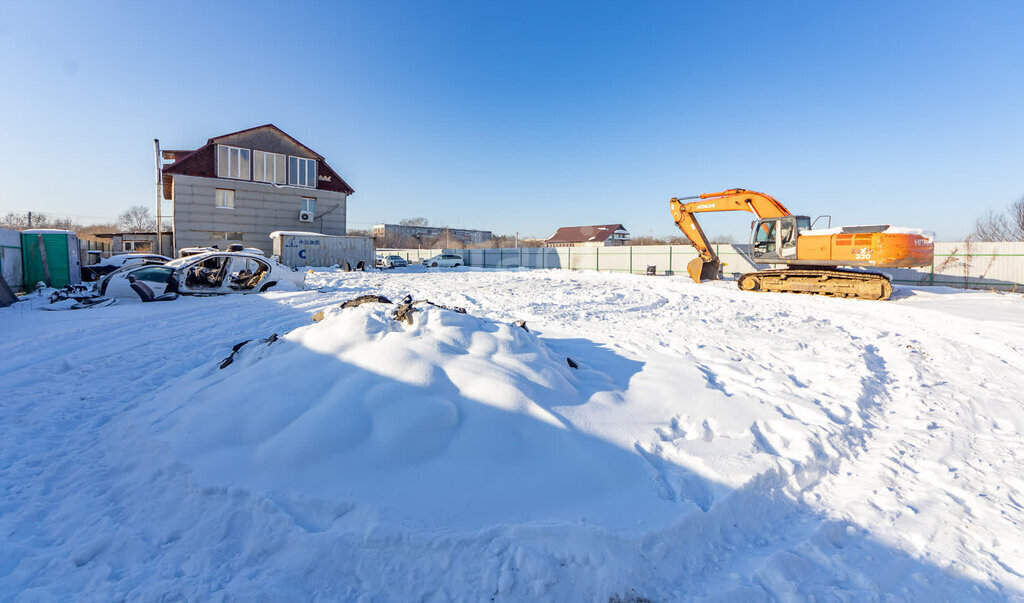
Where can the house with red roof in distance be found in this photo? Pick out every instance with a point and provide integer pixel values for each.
(240, 187)
(602, 235)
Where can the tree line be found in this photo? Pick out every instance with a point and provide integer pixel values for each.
(137, 218)
(1006, 225)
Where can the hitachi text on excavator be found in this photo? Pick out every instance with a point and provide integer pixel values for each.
(812, 257)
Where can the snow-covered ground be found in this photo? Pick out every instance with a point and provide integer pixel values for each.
(712, 444)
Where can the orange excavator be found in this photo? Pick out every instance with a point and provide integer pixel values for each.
(812, 256)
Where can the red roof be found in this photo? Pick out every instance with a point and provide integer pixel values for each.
(584, 234)
(272, 126)
(201, 162)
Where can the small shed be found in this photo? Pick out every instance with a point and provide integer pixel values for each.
(297, 249)
(50, 256)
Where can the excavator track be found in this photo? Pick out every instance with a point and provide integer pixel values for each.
(819, 281)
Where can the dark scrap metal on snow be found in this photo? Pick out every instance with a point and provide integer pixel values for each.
(403, 313)
(238, 347)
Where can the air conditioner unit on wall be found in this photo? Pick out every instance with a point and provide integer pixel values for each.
(305, 216)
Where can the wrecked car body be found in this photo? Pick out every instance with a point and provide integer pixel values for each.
(210, 273)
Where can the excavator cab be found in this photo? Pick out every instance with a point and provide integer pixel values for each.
(775, 238)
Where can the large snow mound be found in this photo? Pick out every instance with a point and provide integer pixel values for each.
(453, 421)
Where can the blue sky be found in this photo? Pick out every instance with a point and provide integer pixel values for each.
(526, 116)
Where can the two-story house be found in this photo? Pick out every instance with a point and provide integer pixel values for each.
(240, 187)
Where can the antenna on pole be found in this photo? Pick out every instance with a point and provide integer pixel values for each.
(159, 213)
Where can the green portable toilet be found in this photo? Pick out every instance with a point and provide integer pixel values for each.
(50, 256)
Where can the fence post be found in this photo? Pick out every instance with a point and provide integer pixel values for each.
(597, 259)
(631, 259)
(520, 257)
(568, 260)
(670, 258)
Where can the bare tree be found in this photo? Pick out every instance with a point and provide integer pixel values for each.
(503, 241)
(646, 240)
(93, 229)
(1007, 225)
(955, 259)
(19, 221)
(413, 222)
(136, 218)
(15, 221)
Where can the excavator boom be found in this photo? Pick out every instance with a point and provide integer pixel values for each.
(707, 264)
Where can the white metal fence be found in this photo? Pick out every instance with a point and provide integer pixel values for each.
(667, 259)
(963, 264)
(971, 265)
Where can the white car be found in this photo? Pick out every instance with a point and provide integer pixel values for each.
(393, 261)
(202, 274)
(107, 265)
(444, 260)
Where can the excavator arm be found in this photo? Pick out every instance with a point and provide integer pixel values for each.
(707, 264)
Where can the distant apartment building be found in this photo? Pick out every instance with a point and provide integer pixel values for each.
(400, 232)
(603, 235)
(240, 187)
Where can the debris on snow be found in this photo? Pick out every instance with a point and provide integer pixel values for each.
(365, 299)
(235, 349)
(402, 314)
(352, 303)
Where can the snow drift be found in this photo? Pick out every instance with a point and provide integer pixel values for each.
(451, 422)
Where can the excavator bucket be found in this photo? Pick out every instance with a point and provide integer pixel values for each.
(704, 270)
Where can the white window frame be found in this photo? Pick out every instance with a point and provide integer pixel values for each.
(300, 175)
(269, 160)
(129, 246)
(308, 204)
(230, 204)
(233, 169)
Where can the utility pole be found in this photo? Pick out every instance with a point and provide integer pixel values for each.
(159, 213)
